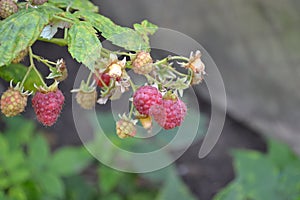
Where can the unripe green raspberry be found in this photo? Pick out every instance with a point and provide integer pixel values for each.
(13, 102)
(142, 64)
(86, 100)
(125, 128)
(7, 8)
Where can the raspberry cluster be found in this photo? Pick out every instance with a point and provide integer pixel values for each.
(168, 113)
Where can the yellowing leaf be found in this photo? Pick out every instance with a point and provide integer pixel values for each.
(21, 30)
(84, 44)
(121, 36)
(75, 4)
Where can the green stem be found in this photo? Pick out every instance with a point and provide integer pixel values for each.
(175, 71)
(100, 79)
(131, 110)
(46, 62)
(32, 66)
(57, 41)
(152, 79)
(168, 59)
(123, 53)
(131, 82)
(63, 19)
(89, 78)
(26, 75)
(66, 34)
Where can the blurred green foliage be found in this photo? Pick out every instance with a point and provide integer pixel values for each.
(30, 171)
(271, 176)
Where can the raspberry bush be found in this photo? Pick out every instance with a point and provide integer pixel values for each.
(159, 99)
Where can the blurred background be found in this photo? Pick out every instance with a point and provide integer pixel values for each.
(256, 46)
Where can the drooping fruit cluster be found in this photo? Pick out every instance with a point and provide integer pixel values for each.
(145, 97)
(142, 64)
(7, 8)
(125, 128)
(13, 102)
(48, 105)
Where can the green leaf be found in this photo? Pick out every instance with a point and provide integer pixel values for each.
(109, 179)
(16, 72)
(280, 154)
(289, 182)
(51, 185)
(257, 173)
(174, 188)
(3, 148)
(75, 4)
(38, 153)
(32, 190)
(121, 36)
(77, 189)
(145, 28)
(84, 44)
(21, 30)
(17, 193)
(18, 131)
(69, 161)
(114, 197)
(233, 191)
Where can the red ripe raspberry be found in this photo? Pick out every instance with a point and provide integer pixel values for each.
(170, 114)
(13, 102)
(145, 97)
(106, 78)
(47, 106)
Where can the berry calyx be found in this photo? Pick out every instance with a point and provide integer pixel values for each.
(13, 101)
(47, 104)
(125, 127)
(170, 114)
(7, 8)
(142, 64)
(145, 97)
(62, 69)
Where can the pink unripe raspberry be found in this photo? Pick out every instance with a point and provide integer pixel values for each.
(170, 114)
